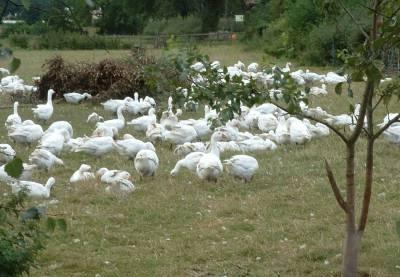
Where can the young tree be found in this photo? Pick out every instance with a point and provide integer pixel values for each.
(226, 94)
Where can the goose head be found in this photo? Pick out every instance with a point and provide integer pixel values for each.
(101, 171)
(87, 95)
(84, 167)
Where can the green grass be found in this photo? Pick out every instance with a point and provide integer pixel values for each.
(284, 223)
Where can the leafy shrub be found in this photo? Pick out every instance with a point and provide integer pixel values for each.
(22, 235)
(62, 40)
(19, 40)
(174, 25)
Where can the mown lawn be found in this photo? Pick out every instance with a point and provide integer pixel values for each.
(284, 223)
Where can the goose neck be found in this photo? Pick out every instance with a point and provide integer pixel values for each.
(214, 146)
(49, 99)
(120, 114)
(16, 108)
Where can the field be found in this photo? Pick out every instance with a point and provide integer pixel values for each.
(284, 223)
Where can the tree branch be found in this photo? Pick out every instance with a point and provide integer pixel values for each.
(335, 188)
(336, 131)
(386, 126)
(363, 110)
(353, 18)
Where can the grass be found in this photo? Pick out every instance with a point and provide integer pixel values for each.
(284, 223)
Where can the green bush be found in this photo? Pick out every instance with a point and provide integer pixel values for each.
(174, 25)
(62, 40)
(19, 40)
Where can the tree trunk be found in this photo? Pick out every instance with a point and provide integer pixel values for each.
(352, 240)
(351, 250)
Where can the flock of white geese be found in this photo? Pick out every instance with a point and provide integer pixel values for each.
(272, 125)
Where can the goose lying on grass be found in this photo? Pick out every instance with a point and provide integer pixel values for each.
(7, 153)
(112, 176)
(26, 133)
(44, 159)
(242, 167)
(82, 174)
(76, 98)
(130, 146)
(97, 146)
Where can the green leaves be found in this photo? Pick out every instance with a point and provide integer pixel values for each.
(338, 88)
(26, 3)
(14, 65)
(14, 168)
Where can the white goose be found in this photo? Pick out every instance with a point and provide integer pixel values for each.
(209, 166)
(180, 134)
(94, 118)
(76, 98)
(105, 131)
(7, 153)
(121, 186)
(146, 162)
(155, 132)
(34, 189)
(13, 119)
(242, 167)
(44, 159)
(96, 146)
(141, 123)
(130, 146)
(54, 141)
(61, 125)
(118, 123)
(44, 112)
(256, 144)
(190, 162)
(113, 104)
(189, 147)
(27, 133)
(82, 174)
(112, 176)
(299, 133)
(282, 134)
(267, 122)
(319, 90)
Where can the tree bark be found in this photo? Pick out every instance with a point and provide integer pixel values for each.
(351, 250)
(352, 240)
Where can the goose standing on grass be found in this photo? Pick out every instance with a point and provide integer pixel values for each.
(54, 141)
(44, 159)
(209, 167)
(7, 153)
(141, 123)
(76, 98)
(189, 162)
(130, 146)
(94, 118)
(45, 111)
(34, 189)
(146, 162)
(14, 118)
(82, 174)
(112, 176)
(118, 123)
(242, 167)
